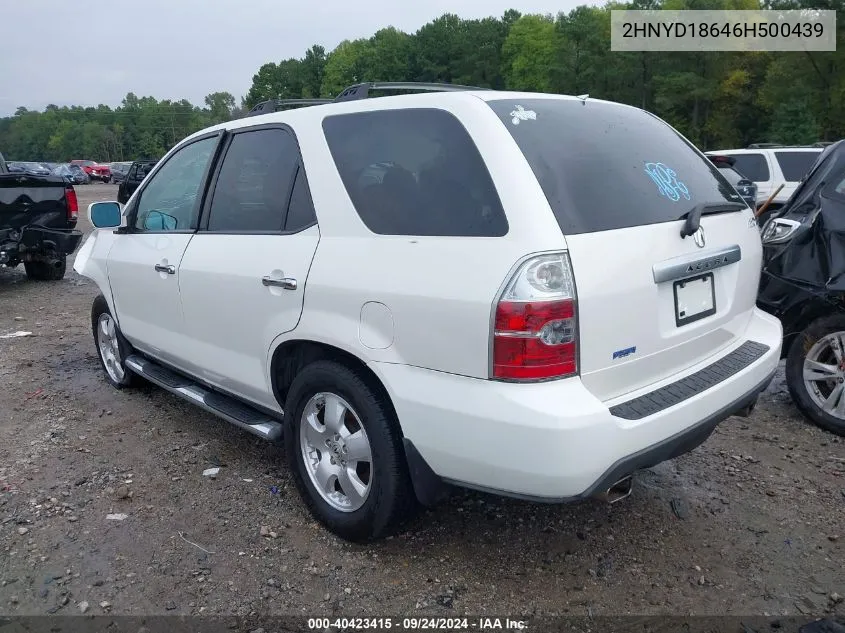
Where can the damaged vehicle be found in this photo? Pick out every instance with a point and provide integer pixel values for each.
(38, 217)
(803, 284)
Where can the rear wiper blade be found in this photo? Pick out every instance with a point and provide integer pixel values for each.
(693, 216)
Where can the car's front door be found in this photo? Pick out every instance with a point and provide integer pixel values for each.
(242, 277)
(143, 263)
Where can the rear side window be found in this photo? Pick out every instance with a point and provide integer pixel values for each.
(604, 166)
(795, 165)
(252, 190)
(414, 172)
(753, 166)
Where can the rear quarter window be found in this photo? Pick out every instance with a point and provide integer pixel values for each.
(603, 166)
(795, 165)
(414, 172)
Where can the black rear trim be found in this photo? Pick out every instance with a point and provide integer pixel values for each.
(670, 448)
(655, 401)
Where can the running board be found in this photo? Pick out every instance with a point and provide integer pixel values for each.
(230, 409)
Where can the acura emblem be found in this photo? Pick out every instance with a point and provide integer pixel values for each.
(698, 236)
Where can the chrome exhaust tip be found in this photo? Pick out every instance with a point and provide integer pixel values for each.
(618, 491)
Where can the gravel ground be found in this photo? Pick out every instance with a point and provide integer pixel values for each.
(749, 523)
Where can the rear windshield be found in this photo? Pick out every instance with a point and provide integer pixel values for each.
(795, 165)
(603, 166)
(752, 166)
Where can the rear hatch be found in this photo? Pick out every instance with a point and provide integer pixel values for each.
(621, 182)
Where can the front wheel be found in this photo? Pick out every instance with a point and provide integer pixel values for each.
(112, 348)
(343, 444)
(815, 373)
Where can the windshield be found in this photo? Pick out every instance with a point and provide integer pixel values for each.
(730, 174)
(604, 166)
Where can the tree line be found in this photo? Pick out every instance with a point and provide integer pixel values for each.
(725, 99)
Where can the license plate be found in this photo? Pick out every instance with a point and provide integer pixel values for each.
(695, 299)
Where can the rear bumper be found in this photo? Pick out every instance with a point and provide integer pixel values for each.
(37, 241)
(555, 441)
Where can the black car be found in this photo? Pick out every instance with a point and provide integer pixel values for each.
(803, 284)
(38, 215)
(119, 171)
(744, 186)
(134, 177)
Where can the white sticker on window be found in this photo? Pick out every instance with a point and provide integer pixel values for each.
(521, 114)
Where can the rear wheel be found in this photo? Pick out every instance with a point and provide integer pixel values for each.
(815, 373)
(346, 453)
(46, 270)
(112, 348)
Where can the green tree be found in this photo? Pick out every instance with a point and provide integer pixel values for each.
(529, 54)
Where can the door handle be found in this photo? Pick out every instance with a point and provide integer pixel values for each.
(288, 283)
(170, 270)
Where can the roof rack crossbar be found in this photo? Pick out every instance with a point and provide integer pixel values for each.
(274, 105)
(361, 90)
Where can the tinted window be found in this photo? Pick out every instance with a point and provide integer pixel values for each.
(603, 166)
(730, 174)
(254, 183)
(414, 172)
(169, 201)
(752, 166)
(795, 165)
(301, 210)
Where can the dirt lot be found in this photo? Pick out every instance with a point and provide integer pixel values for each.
(752, 522)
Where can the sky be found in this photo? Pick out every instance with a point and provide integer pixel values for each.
(95, 51)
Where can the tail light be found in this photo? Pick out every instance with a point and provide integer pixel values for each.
(535, 332)
(72, 204)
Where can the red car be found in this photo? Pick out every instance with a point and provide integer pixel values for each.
(94, 170)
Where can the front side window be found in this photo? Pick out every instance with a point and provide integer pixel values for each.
(254, 184)
(414, 172)
(169, 200)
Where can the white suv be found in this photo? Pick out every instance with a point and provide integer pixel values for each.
(504, 291)
(770, 168)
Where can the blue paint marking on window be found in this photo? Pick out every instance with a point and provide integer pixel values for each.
(622, 353)
(667, 181)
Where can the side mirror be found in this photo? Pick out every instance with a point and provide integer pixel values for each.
(104, 214)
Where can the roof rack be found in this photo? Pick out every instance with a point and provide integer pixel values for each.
(765, 145)
(274, 105)
(356, 92)
(361, 91)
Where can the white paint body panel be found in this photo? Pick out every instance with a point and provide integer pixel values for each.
(232, 317)
(429, 339)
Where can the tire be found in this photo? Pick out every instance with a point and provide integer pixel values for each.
(816, 343)
(389, 499)
(45, 271)
(114, 366)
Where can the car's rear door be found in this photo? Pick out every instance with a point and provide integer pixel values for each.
(243, 275)
(143, 263)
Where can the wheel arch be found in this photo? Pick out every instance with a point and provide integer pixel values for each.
(799, 317)
(292, 355)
